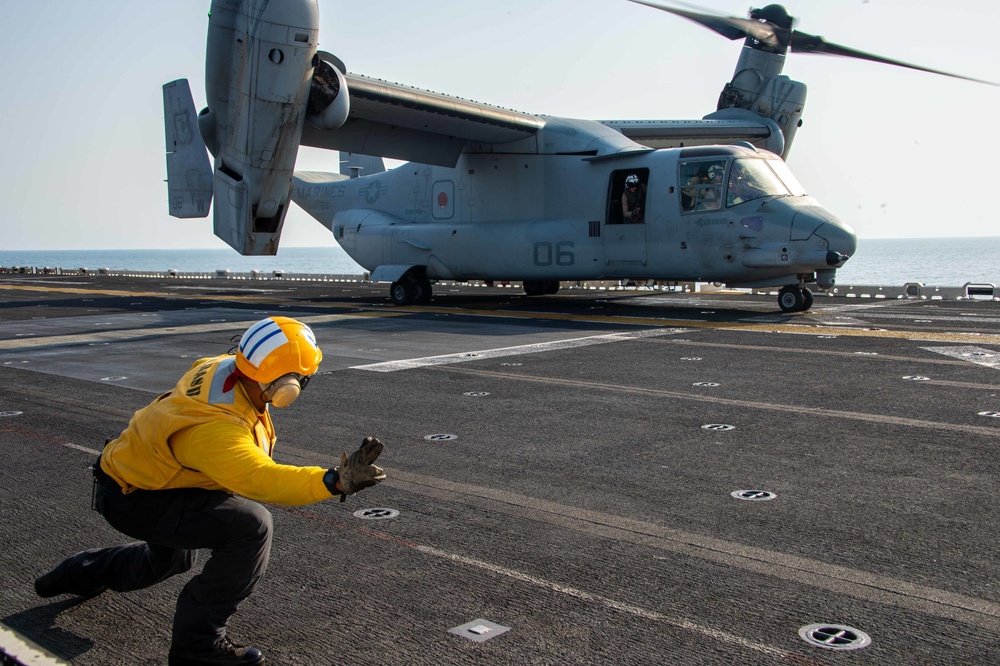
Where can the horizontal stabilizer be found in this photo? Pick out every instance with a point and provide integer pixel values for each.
(355, 164)
(189, 172)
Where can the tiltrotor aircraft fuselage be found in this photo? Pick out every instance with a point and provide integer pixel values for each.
(558, 216)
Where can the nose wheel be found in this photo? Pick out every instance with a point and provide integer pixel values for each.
(793, 298)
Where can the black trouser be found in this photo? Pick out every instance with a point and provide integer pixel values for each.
(174, 524)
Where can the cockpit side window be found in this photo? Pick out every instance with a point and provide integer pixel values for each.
(701, 185)
(751, 179)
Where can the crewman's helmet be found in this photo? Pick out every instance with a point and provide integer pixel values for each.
(631, 180)
(279, 348)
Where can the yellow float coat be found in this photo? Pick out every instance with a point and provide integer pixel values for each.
(200, 435)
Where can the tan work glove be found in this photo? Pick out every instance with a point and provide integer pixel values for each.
(358, 470)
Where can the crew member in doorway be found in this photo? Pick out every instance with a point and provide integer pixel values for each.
(633, 200)
(188, 473)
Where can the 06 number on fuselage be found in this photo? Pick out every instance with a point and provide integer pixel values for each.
(546, 253)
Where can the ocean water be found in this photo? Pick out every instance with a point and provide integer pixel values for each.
(311, 260)
(944, 262)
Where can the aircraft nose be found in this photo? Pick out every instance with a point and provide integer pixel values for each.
(841, 241)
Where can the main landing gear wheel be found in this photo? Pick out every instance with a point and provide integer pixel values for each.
(402, 292)
(424, 289)
(794, 299)
(540, 287)
(407, 291)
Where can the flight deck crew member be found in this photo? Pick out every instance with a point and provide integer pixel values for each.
(633, 200)
(188, 473)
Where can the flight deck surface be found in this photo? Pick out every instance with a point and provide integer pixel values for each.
(576, 468)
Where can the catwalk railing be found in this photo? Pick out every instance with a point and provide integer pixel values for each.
(909, 290)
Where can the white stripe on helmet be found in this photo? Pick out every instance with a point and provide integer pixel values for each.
(309, 335)
(260, 340)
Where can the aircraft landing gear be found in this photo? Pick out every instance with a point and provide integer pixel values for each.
(540, 287)
(793, 298)
(410, 290)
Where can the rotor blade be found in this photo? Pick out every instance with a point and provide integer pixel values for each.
(727, 26)
(805, 43)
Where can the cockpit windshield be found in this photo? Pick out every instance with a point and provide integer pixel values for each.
(787, 177)
(757, 178)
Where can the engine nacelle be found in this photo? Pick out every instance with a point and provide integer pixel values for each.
(259, 64)
(759, 87)
(329, 101)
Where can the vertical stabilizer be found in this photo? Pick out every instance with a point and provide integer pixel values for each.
(189, 173)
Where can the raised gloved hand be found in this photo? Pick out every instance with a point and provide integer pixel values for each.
(358, 470)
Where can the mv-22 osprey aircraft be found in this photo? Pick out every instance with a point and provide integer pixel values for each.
(498, 195)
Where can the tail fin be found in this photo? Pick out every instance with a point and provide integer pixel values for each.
(189, 172)
(356, 164)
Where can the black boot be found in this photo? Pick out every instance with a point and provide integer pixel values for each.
(225, 653)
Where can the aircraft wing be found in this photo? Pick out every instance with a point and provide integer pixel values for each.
(761, 132)
(401, 122)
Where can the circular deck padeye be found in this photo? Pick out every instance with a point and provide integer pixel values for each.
(753, 495)
(440, 437)
(718, 427)
(376, 513)
(834, 637)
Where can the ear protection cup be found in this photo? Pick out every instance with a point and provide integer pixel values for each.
(283, 391)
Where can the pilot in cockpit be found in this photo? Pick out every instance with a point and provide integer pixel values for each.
(740, 189)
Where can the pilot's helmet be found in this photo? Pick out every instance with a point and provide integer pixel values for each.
(715, 173)
(632, 180)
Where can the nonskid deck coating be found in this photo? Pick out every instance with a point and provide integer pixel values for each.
(580, 503)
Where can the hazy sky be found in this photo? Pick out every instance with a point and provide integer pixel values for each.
(893, 152)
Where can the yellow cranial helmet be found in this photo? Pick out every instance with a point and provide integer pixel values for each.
(275, 347)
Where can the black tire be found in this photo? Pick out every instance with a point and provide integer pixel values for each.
(791, 299)
(422, 291)
(551, 286)
(808, 299)
(534, 287)
(401, 293)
